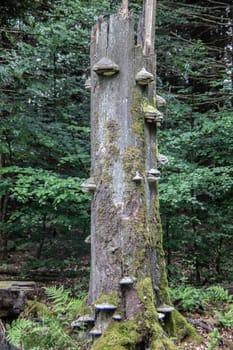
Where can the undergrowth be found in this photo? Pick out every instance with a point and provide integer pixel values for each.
(191, 299)
(47, 326)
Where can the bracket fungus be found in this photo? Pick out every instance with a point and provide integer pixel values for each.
(152, 114)
(127, 281)
(95, 332)
(88, 239)
(138, 177)
(159, 118)
(117, 317)
(161, 315)
(105, 307)
(149, 113)
(83, 321)
(162, 159)
(87, 84)
(106, 67)
(143, 77)
(153, 175)
(104, 313)
(165, 309)
(160, 101)
(89, 185)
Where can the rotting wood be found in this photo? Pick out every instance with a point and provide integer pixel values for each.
(126, 237)
(124, 11)
(149, 21)
(13, 295)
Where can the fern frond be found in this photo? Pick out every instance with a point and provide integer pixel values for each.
(17, 330)
(218, 294)
(61, 300)
(58, 295)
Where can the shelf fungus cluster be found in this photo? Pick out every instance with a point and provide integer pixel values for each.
(89, 185)
(87, 84)
(153, 175)
(85, 321)
(106, 67)
(143, 77)
(138, 177)
(160, 101)
(95, 325)
(162, 159)
(104, 314)
(152, 114)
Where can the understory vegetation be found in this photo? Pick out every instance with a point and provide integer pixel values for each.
(48, 325)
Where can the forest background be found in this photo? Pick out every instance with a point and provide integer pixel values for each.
(45, 137)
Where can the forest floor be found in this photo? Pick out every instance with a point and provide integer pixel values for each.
(67, 264)
(206, 327)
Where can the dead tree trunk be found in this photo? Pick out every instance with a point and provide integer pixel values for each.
(128, 285)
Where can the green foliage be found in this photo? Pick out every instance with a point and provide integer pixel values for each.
(196, 185)
(225, 318)
(187, 298)
(45, 327)
(62, 303)
(13, 9)
(214, 337)
(191, 299)
(44, 116)
(217, 294)
(44, 199)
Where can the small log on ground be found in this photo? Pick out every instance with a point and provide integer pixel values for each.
(13, 295)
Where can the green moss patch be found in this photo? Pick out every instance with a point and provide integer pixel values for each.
(111, 298)
(137, 114)
(133, 160)
(119, 336)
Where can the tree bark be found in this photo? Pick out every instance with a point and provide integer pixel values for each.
(128, 265)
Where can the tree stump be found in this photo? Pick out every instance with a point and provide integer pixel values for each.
(128, 291)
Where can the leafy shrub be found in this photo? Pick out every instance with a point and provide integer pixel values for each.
(46, 327)
(214, 337)
(191, 299)
(217, 294)
(187, 298)
(225, 318)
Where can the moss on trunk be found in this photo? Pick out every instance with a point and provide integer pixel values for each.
(126, 228)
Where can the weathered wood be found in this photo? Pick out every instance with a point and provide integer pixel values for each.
(126, 240)
(148, 47)
(13, 297)
(117, 201)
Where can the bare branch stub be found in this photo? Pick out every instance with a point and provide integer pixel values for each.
(124, 10)
(146, 32)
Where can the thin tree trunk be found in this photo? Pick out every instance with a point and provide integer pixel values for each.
(218, 257)
(42, 237)
(3, 212)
